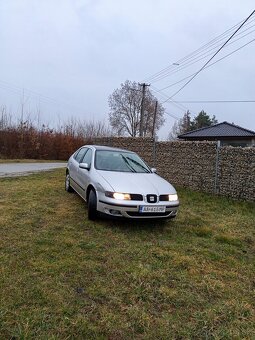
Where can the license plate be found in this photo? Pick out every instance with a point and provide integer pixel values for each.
(152, 209)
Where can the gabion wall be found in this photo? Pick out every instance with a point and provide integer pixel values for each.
(237, 172)
(187, 164)
(196, 165)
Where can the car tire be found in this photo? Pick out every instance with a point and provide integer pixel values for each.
(92, 205)
(68, 187)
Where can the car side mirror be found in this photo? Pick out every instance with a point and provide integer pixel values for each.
(84, 166)
(154, 170)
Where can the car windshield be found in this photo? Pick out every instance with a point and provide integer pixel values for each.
(120, 161)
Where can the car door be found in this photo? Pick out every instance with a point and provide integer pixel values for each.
(74, 168)
(83, 175)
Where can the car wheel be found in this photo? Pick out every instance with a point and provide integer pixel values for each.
(92, 205)
(67, 183)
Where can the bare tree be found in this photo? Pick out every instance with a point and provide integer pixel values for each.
(84, 129)
(125, 110)
(5, 119)
(180, 126)
(175, 131)
(91, 129)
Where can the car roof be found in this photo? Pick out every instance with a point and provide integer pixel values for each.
(107, 148)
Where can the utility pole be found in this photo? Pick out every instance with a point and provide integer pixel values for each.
(142, 109)
(154, 119)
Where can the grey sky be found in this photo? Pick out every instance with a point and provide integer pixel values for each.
(76, 52)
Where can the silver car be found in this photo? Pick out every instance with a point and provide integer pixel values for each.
(118, 183)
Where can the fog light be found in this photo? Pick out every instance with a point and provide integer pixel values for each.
(115, 212)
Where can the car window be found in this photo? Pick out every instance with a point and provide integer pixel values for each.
(87, 157)
(80, 154)
(120, 161)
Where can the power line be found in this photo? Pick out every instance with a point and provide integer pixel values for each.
(199, 57)
(180, 106)
(182, 87)
(217, 39)
(215, 62)
(217, 101)
(36, 95)
(196, 52)
(18, 89)
(173, 116)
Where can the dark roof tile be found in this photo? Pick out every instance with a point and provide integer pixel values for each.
(223, 129)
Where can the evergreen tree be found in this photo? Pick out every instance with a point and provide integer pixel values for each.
(185, 124)
(202, 120)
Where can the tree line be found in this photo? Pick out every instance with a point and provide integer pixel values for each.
(186, 124)
(27, 138)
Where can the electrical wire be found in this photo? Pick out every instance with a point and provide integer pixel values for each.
(35, 95)
(18, 89)
(173, 116)
(155, 90)
(215, 62)
(200, 57)
(217, 101)
(176, 104)
(182, 87)
(198, 51)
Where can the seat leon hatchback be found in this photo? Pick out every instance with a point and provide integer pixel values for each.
(118, 183)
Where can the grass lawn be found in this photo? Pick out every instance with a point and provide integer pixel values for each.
(63, 277)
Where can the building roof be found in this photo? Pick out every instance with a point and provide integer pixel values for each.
(219, 130)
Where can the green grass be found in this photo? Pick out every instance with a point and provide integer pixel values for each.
(63, 277)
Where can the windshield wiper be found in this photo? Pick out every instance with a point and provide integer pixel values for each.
(137, 163)
(127, 162)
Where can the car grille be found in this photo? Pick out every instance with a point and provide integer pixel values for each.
(164, 197)
(136, 197)
(151, 198)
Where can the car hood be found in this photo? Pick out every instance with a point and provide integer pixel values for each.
(140, 183)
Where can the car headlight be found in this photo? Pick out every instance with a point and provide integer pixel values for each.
(118, 195)
(173, 197)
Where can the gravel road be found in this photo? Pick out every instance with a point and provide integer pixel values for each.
(24, 169)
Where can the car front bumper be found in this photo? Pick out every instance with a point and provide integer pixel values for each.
(131, 209)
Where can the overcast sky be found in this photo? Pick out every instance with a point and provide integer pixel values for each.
(70, 55)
